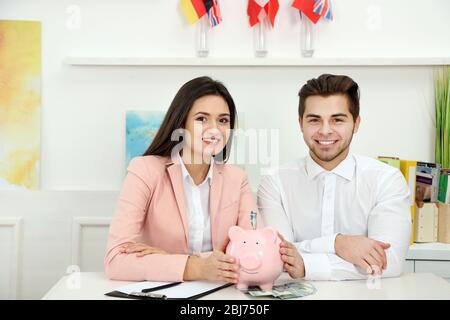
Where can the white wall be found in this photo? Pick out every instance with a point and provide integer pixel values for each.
(46, 237)
(83, 108)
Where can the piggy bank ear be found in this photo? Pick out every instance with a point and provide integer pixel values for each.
(269, 233)
(235, 233)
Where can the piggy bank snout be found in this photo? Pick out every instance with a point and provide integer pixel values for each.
(250, 261)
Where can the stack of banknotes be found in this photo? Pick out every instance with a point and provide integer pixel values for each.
(284, 291)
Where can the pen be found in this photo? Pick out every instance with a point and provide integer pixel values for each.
(149, 295)
(164, 286)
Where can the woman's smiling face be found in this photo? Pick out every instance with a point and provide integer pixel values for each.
(207, 127)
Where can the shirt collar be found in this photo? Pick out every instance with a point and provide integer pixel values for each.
(186, 174)
(313, 169)
(345, 169)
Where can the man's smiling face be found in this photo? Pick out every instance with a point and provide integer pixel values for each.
(328, 128)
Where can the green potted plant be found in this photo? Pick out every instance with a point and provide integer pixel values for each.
(442, 102)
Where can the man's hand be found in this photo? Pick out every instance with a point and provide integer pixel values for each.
(292, 260)
(363, 252)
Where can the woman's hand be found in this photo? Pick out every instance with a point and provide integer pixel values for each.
(140, 249)
(218, 267)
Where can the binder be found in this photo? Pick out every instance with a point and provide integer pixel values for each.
(408, 168)
(427, 180)
(167, 291)
(392, 161)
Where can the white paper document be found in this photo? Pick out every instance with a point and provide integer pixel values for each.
(188, 289)
(139, 286)
(181, 290)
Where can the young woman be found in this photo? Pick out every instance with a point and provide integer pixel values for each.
(180, 198)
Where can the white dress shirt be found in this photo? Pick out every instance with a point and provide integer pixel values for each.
(198, 212)
(310, 206)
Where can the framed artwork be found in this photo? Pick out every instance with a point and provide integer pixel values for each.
(20, 104)
(141, 128)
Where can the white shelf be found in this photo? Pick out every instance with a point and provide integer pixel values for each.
(253, 62)
(429, 251)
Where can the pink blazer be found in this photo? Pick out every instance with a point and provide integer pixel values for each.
(151, 209)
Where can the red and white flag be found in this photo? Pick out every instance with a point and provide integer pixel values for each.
(258, 9)
(307, 8)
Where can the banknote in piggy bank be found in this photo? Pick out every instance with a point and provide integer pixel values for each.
(257, 253)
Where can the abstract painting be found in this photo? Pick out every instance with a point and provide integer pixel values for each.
(141, 128)
(20, 104)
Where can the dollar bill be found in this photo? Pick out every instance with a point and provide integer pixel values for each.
(288, 290)
(257, 292)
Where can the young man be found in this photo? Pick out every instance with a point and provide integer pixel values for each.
(342, 216)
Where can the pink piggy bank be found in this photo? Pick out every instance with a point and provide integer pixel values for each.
(258, 255)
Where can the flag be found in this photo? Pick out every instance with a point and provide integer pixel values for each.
(213, 10)
(307, 8)
(323, 8)
(255, 7)
(193, 9)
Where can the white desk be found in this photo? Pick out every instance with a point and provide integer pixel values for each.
(422, 286)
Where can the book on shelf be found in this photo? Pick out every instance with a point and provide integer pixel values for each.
(444, 187)
(427, 181)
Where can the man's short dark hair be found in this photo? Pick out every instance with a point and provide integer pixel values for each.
(330, 84)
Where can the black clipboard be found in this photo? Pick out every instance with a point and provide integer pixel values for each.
(118, 294)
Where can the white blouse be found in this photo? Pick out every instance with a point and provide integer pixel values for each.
(198, 211)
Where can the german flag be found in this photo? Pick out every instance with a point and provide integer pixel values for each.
(193, 9)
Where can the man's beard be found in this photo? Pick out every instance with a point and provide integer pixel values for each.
(329, 158)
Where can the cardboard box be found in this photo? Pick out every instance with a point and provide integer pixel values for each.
(426, 222)
(444, 223)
